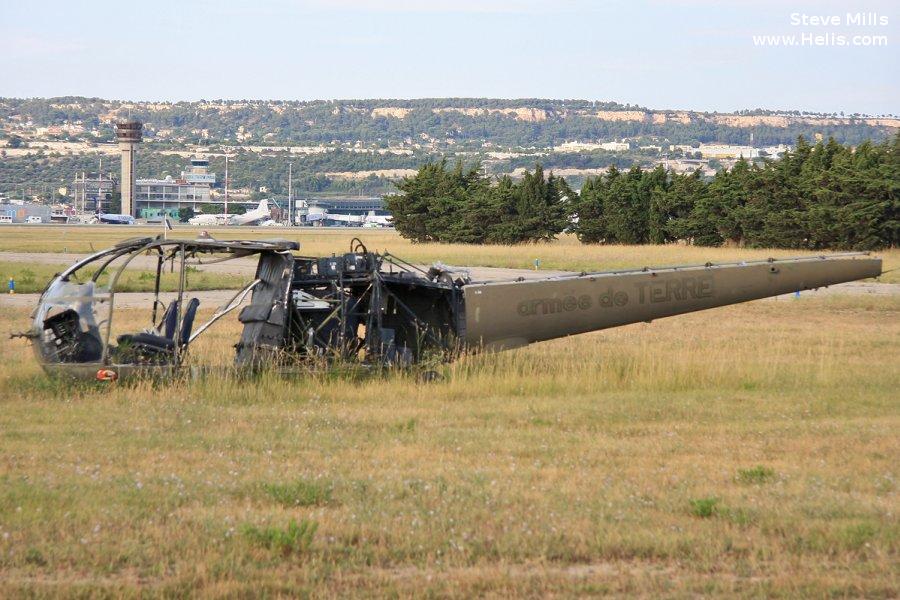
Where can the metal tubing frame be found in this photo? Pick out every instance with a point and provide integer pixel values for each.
(156, 302)
(179, 319)
(104, 358)
(226, 308)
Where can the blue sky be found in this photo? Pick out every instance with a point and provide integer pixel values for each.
(692, 54)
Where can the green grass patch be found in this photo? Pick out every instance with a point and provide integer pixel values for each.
(296, 538)
(856, 537)
(33, 556)
(704, 507)
(756, 475)
(299, 493)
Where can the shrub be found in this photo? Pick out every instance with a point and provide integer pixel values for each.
(704, 507)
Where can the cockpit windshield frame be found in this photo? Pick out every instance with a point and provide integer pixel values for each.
(73, 323)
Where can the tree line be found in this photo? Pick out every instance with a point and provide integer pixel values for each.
(458, 205)
(816, 197)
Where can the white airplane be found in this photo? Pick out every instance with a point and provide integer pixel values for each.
(369, 220)
(256, 216)
(373, 220)
(337, 217)
(208, 220)
(115, 219)
(252, 217)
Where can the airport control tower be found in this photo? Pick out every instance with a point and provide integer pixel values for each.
(129, 136)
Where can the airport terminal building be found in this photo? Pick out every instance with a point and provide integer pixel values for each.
(153, 197)
(348, 206)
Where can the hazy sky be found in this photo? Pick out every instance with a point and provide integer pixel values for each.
(695, 54)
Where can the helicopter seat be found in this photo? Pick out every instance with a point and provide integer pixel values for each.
(166, 326)
(149, 346)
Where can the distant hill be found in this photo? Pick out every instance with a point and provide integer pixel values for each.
(360, 147)
(460, 122)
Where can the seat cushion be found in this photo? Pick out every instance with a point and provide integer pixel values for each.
(147, 340)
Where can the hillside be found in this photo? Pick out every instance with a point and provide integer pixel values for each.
(505, 123)
(361, 146)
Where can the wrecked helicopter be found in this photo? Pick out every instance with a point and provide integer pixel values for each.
(374, 308)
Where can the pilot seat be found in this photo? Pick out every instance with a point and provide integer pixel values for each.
(158, 346)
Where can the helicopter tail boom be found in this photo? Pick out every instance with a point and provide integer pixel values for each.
(505, 315)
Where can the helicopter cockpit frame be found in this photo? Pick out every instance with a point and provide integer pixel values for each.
(72, 326)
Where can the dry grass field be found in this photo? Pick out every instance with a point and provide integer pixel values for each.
(565, 254)
(747, 451)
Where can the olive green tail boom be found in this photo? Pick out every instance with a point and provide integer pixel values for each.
(501, 315)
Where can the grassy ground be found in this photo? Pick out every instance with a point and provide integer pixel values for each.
(565, 254)
(34, 278)
(748, 451)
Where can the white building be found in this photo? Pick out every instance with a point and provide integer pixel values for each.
(776, 151)
(728, 151)
(586, 146)
(153, 197)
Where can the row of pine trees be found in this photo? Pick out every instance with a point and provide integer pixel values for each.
(826, 196)
(464, 206)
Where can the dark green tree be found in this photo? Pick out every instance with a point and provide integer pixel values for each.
(411, 207)
(590, 226)
(672, 210)
(626, 210)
